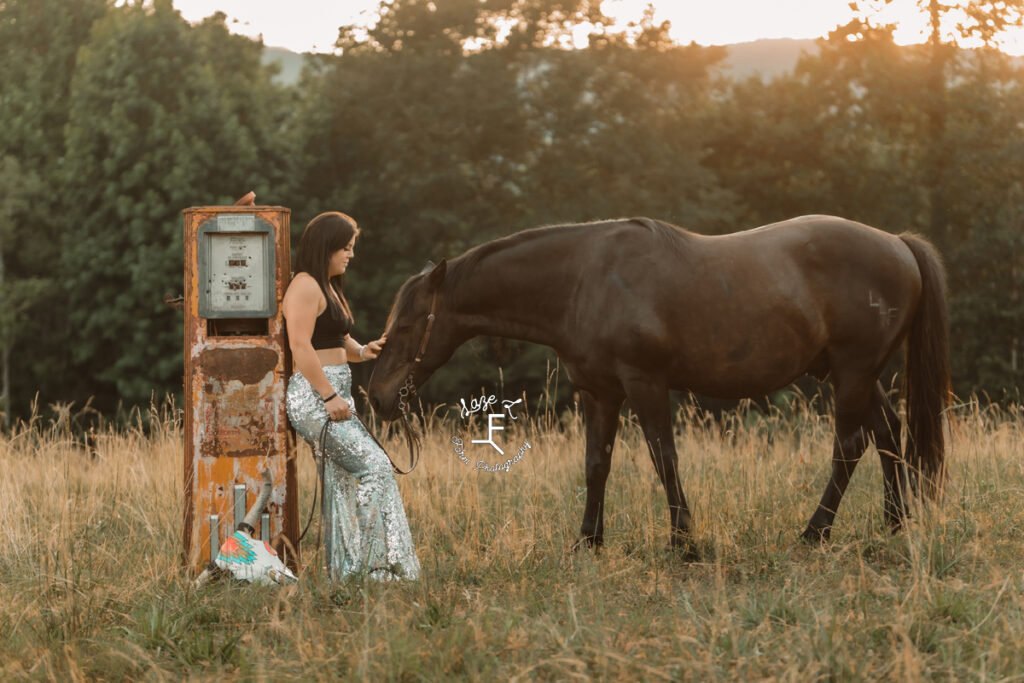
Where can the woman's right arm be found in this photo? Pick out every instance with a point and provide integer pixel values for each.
(300, 305)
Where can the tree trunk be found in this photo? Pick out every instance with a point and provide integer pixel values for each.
(937, 155)
(5, 370)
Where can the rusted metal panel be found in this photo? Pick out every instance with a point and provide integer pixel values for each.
(239, 390)
(235, 420)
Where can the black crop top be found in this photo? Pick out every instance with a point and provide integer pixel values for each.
(329, 331)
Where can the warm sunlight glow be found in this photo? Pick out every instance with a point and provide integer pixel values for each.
(312, 25)
(299, 25)
(739, 21)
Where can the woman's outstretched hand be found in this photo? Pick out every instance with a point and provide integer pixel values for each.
(338, 409)
(373, 349)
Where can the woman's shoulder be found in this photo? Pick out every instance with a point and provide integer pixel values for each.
(303, 285)
(303, 281)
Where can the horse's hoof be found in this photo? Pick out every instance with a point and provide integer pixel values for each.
(587, 542)
(682, 544)
(686, 551)
(815, 536)
(895, 522)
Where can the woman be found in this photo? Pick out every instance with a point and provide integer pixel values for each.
(366, 529)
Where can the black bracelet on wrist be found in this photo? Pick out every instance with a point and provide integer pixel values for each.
(330, 397)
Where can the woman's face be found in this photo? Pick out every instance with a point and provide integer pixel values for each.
(339, 259)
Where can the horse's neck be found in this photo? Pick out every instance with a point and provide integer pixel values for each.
(499, 295)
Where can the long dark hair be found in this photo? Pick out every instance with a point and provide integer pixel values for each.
(326, 234)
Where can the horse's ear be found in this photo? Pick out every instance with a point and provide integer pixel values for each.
(436, 276)
(430, 265)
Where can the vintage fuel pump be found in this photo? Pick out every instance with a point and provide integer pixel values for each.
(237, 266)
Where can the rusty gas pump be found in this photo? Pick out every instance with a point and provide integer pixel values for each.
(237, 363)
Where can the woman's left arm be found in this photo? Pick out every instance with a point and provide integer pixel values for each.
(357, 352)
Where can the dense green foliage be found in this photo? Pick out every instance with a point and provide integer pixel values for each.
(449, 123)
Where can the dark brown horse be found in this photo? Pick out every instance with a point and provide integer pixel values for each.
(634, 308)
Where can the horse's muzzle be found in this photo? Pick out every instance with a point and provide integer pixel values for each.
(384, 410)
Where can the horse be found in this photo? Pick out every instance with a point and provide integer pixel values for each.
(634, 308)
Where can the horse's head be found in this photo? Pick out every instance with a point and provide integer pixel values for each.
(419, 340)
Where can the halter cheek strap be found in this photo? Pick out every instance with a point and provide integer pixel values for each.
(430, 325)
(410, 436)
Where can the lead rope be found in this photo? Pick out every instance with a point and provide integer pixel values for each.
(411, 437)
(322, 442)
(321, 446)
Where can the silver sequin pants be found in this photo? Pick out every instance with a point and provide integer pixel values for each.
(365, 528)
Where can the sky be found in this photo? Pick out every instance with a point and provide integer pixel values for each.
(312, 25)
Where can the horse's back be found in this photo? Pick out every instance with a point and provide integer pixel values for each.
(747, 312)
(808, 236)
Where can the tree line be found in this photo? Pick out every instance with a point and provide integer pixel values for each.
(449, 123)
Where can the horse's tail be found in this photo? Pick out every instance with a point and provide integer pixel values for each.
(926, 385)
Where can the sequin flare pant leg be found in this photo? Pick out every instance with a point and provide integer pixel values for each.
(365, 528)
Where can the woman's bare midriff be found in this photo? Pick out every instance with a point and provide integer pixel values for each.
(335, 356)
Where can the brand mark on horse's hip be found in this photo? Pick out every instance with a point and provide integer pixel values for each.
(886, 313)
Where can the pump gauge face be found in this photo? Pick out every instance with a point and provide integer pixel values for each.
(238, 272)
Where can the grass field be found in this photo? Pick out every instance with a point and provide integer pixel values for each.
(91, 586)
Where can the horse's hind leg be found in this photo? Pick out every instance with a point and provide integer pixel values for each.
(601, 417)
(885, 426)
(849, 446)
(651, 403)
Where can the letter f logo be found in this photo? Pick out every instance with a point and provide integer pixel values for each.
(491, 428)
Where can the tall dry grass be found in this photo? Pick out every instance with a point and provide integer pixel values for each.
(92, 585)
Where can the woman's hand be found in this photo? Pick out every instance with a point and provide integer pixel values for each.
(338, 409)
(373, 349)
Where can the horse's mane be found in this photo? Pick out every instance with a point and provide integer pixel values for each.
(461, 269)
(463, 265)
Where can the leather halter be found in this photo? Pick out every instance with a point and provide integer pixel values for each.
(430, 325)
(410, 388)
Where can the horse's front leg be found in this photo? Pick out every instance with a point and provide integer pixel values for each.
(601, 416)
(650, 400)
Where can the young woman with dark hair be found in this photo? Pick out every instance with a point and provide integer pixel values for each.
(366, 529)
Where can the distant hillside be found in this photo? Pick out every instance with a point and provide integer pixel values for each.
(773, 57)
(766, 58)
(290, 63)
